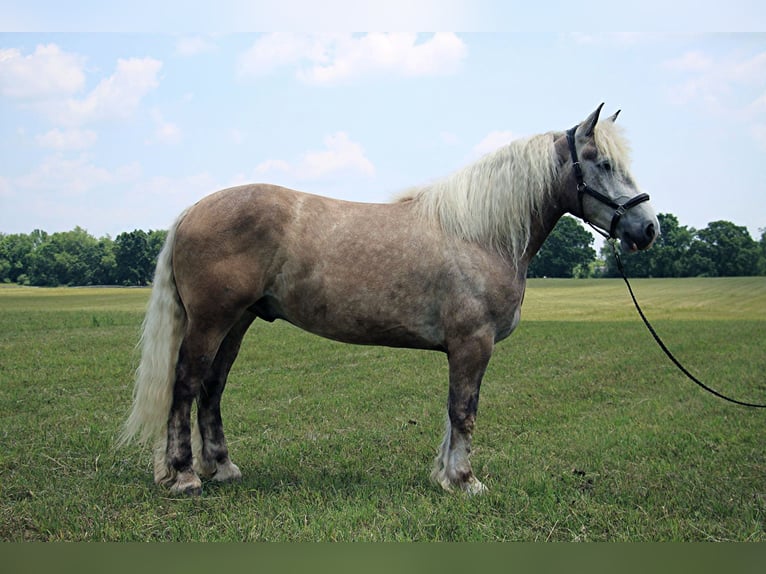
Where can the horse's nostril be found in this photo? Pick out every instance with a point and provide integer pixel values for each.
(650, 231)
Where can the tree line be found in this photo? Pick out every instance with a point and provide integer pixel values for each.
(77, 258)
(722, 249)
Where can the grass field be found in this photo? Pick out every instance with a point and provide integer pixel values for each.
(585, 431)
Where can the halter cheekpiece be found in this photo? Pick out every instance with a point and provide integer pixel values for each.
(583, 188)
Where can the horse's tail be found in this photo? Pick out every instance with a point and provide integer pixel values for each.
(160, 341)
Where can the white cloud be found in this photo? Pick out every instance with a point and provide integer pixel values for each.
(74, 176)
(115, 97)
(271, 166)
(165, 132)
(336, 58)
(713, 82)
(751, 71)
(730, 86)
(492, 141)
(278, 49)
(340, 155)
(690, 61)
(194, 45)
(73, 139)
(389, 53)
(192, 186)
(46, 73)
(49, 79)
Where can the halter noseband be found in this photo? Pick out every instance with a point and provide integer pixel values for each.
(583, 188)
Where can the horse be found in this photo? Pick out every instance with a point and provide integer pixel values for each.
(441, 267)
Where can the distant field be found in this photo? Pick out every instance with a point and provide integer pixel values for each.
(585, 431)
(702, 299)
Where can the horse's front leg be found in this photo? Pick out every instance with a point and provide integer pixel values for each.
(468, 360)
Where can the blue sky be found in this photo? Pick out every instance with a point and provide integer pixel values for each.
(119, 131)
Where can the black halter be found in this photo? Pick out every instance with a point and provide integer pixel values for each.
(583, 188)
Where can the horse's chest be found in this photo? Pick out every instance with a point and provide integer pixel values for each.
(504, 330)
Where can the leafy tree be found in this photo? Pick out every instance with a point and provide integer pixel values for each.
(5, 266)
(133, 259)
(156, 239)
(730, 248)
(65, 258)
(666, 258)
(76, 258)
(15, 254)
(762, 260)
(567, 248)
(720, 249)
(107, 265)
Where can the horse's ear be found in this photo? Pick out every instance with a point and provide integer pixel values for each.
(613, 117)
(586, 128)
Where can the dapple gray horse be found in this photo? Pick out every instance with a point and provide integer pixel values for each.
(441, 268)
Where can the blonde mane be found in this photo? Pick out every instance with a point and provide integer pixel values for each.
(611, 143)
(494, 200)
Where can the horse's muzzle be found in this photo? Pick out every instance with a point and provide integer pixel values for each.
(640, 236)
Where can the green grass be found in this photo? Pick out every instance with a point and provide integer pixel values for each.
(585, 431)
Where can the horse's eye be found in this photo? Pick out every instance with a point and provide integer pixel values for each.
(605, 166)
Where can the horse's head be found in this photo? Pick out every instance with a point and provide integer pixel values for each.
(608, 197)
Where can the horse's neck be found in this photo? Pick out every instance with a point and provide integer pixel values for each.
(561, 200)
(542, 226)
(538, 234)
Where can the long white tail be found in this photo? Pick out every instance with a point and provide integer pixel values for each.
(161, 336)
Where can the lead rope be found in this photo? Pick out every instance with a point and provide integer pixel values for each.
(676, 362)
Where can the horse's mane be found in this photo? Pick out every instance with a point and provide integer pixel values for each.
(611, 143)
(495, 200)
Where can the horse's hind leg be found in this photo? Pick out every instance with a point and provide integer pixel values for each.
(173, 464)
(211, 455)
(467, 362)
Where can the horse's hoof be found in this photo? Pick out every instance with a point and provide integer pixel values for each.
(192, 491)
(187, 483)
(474, 487)
(227, 472)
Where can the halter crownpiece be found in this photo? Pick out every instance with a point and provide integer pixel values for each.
(583, 188)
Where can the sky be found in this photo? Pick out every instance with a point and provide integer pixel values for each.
(115, 129)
